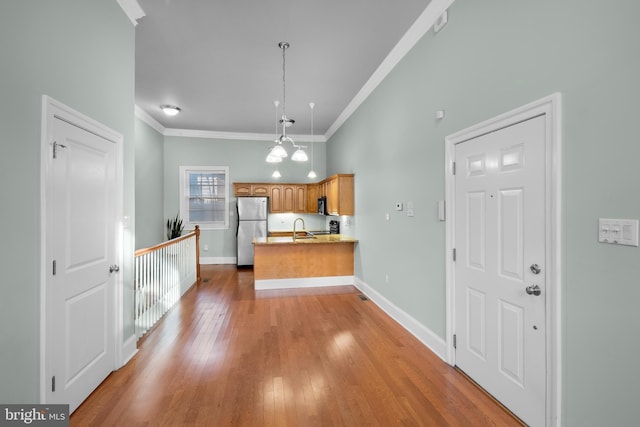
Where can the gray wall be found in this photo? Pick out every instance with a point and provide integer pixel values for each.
(80, 53)
(494, 56)
(150, 218)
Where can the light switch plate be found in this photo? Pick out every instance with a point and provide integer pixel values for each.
(399, 206)
(618, 231)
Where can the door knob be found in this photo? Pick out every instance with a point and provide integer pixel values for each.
(113, 268)
(533, 290)
(535, 269)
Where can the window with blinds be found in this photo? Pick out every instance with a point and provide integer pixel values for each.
(204, 196)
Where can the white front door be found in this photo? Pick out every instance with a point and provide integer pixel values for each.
(81, 242)
(499, 269)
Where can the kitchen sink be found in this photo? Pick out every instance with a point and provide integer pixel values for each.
(305, 238)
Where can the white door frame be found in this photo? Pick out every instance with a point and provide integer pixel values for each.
(550, 107)
(53, 110)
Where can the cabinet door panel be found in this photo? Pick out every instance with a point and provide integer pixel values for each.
(241, 189)
(312, 198)
(275, 199)
(288, 195)
(260, 189)
(300, 199)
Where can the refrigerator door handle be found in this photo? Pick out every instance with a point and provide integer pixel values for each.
(238, 219)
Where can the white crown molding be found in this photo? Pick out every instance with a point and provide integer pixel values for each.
(419, 28)
(145, 117)
(132, 9)
(208, 134)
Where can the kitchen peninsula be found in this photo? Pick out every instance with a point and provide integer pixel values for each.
(310, 261)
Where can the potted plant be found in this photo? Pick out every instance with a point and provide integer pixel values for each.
(174, 227)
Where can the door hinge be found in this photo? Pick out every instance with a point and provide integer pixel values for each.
(53, 383)
(453, 168)
(454, 254)
(455, 341)
(56, 146)
(54, 267)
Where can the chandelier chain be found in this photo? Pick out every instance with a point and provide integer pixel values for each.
(284, 84)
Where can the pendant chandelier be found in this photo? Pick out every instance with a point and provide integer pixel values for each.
(278, 152)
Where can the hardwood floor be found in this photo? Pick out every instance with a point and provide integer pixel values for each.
(229, 356)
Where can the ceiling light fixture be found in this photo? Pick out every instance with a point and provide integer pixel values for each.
(278, 150)
(312, 173)
(170, 110)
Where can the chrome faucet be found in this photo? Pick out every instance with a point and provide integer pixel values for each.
(294, 227)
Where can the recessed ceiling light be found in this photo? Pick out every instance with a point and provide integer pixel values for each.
(170, 110)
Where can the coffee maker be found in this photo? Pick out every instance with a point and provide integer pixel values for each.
(334, 227)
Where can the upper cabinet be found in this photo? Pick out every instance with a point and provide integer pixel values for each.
(312, 198)
(242, 189)
(275, 199)
(300, 198)
(303, 198)
(260, 189)
(339, 192)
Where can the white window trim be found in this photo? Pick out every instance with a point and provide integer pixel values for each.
(184, 191)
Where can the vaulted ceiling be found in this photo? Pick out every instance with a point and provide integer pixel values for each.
(219, 61)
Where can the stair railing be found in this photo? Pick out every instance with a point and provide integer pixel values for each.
(163, 273)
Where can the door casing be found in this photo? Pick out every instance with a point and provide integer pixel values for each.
(550, 107)
(52, 109)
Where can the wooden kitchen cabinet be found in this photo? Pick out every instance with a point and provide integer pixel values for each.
(340, 194)
(294, 198)
(303, 198)
(331, 190)
(275, 199)
(312, 198)
(300, 198)
(242, 189)
(260, 189)
(288, 198)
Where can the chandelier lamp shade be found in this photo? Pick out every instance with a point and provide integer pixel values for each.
(278, 151)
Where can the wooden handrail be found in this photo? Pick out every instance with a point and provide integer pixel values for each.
(195, 232)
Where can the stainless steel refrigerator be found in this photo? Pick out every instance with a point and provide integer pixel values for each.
(252, 223)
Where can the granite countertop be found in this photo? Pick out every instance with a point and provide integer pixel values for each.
(322, 238)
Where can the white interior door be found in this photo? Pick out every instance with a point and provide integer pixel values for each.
(81, 240)
(500, 284)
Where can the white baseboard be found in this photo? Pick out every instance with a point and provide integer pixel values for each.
(307, 282)
(415, 328)
(129, 349)
(217, 260)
